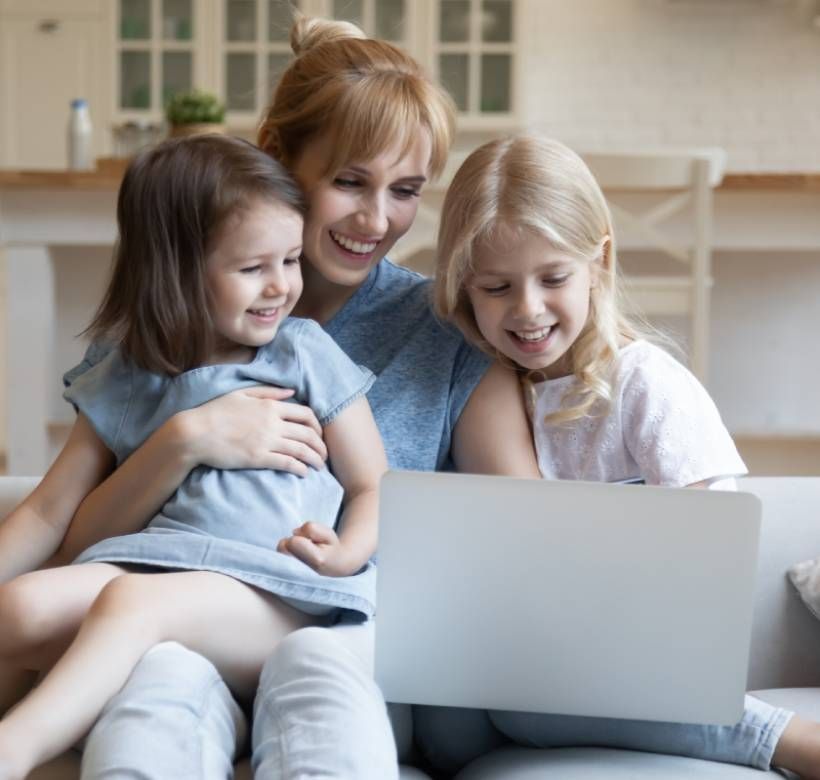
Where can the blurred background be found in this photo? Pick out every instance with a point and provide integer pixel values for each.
(735, 82)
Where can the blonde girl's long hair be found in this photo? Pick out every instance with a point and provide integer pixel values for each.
(364, 95)
(536, 184)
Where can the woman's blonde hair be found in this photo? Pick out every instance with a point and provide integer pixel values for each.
(365, 95)
(535, 184)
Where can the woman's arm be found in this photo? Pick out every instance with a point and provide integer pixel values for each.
(253, 428)
(357, 456)
(34, 530)
(493, 434)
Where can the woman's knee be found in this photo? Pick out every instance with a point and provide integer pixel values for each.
(308, 649)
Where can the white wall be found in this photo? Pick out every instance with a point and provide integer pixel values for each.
(616, 74)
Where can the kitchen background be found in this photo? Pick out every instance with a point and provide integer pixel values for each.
(601, 75)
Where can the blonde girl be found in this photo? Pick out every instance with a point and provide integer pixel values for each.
(527, 269)
(207, 270)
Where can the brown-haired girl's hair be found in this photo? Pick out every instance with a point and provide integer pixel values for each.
(172, 201)
(365, 95)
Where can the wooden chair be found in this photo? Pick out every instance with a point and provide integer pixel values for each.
(663, 201)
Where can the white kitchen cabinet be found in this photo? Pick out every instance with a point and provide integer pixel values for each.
(126, 57)
(50, 53)
(238, 48)
(160, 49)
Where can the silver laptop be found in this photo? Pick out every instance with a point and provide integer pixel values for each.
(565, 597)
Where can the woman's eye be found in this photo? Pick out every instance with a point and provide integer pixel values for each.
(341, 181)
(405, 193)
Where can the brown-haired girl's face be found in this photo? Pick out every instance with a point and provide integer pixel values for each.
(356, 214)
(253, 277)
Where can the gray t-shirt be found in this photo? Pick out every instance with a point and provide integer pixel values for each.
(425, 371)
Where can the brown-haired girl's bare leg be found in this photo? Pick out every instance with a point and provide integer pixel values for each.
(233, 625)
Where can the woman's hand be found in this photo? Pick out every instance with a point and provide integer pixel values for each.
(320, 548)
(254, 428)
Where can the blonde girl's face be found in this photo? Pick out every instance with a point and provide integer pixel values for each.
(531, 301)
(357, 213)
(253, 277)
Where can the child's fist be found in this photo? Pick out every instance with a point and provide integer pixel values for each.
(318, 546)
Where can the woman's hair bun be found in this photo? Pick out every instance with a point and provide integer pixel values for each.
(308, 32)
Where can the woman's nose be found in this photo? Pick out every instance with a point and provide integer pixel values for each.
(372, 217)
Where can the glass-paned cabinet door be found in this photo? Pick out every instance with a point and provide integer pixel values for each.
(385, 19)
(474, 54)
(255, 49)
(155, 53)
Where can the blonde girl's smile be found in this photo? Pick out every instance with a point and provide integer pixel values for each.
(530, 300)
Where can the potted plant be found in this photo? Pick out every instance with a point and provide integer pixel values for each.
(190, 113)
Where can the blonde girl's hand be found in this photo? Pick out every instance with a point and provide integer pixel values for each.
(319, 547)
(254, 428)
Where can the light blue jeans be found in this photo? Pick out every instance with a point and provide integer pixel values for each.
(318, 713)
(451, 737)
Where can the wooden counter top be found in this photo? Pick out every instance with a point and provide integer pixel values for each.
(60, 180)
(109, 179)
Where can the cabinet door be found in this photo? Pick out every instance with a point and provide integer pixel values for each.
(45, 63)
(475, 42)
(253, 51)
(159, 47)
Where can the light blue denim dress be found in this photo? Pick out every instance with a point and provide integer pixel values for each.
(230, 521)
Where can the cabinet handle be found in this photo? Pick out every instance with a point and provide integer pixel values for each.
(49, 25)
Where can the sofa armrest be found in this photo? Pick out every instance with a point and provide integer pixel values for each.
(785, 635)
(13, 490)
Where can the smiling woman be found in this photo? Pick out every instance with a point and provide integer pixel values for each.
(357, 213)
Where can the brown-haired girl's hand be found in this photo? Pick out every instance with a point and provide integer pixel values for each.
(254, 428)
(319, 547)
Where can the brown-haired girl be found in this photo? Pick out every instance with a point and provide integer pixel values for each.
(207, 271)
(362, 129)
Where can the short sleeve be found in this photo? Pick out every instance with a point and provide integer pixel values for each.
(330, 380)
(671, 426)
(468, 370)
(101, 391)
(96, 351)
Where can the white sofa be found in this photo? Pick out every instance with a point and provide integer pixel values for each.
(785, 660)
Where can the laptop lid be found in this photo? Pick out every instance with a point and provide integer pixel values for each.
(565, 597)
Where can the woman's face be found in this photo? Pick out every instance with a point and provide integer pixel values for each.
(357, 213)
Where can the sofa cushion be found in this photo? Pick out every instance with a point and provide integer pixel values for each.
(516, 763)
(804, 701)
(67, 767)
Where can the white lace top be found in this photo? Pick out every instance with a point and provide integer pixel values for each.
(662, 426)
